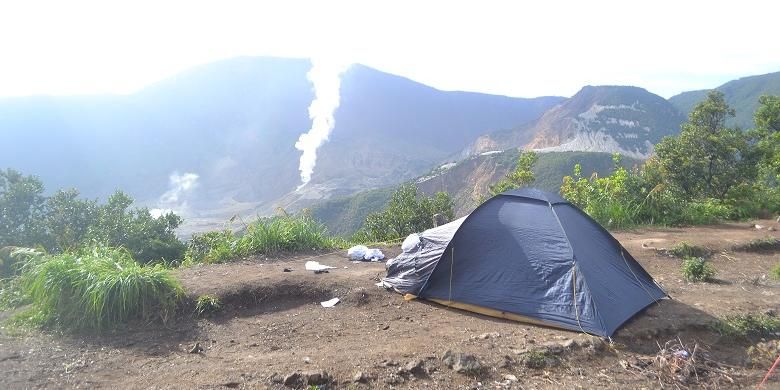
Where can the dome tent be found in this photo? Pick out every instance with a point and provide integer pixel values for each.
(531, 256)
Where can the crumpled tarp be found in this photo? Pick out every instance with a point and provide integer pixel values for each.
(408, 272)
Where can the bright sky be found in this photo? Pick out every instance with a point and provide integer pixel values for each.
(517, 48)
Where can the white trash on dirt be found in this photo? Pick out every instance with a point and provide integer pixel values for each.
(316, 266)
(363, 253)
(357, 252)
(374, 255)
(411, 242)
(330, 302)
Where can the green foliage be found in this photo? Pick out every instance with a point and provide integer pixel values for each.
(99, 288)
(521, 176)
(207, 305)
(708, 159)
(696, 269)
(765, 244)
(745, 325)
(11, 294)
(64, 222)
(775, 272)
(147, 238)
(22, 207)
(407, 212)
(614, 200)
(684, 249)
(539, 359)
(285, 233)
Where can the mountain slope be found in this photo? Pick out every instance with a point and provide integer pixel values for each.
(234, 123)
(626, 120)
(741, 94)
(466, 181)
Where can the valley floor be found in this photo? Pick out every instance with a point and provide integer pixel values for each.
(274, 326)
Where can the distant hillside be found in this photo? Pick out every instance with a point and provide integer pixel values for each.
(626, 120)
(465, 181)
(234, 123)
(742, 95)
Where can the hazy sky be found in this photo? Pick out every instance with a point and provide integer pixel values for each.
(513, 48)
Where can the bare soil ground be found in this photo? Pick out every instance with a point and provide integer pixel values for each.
(272, 325)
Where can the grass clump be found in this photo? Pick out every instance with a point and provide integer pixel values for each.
(759, 245)
(539, 359)
(684, 249)
(285, 233)
(207, 305)
(695, 269)
(745, 325)
(99, 288)
(775, 273)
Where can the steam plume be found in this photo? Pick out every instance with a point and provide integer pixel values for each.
(325, 75)
(174, 200)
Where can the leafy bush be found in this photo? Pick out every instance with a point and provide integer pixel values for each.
(207, 304)
(759, 245)
(744, 325)
(407, 212)
(695, 269)
(775, 273)
(521, 176)
(285, 233)
(684, 249)
(65, 222)
(99, 288)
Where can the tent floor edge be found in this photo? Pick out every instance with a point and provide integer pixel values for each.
(502, 314)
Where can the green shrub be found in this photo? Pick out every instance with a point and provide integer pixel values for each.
(775, 273)
(285, 233)
(744, 325)
(759, 245)
(11, 294)
(407, 212)
(99, 288)
(684, 249)
(207, 305)
(695, 269)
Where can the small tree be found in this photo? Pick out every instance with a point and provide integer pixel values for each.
(521, 176)
(21, 209)
(708, 159)
(407, 212)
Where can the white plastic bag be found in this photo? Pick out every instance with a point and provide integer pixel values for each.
(357, 252)
(374, 255)
(411, 242)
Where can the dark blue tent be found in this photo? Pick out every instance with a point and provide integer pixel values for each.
(527, 255)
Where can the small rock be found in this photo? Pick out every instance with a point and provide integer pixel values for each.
(416, 367)
(277, 378)
(306, 360)
(394, 379)
(196, 348)
(386, 327)
(510, 377)
(316, 378)
(461, 363)
(362, 377)
(293, 379)
(568, 344)
(287, 270)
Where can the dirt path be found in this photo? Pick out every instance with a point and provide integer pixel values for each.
(273, 326)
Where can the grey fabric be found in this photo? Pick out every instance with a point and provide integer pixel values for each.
(407, 272)
(531, 253)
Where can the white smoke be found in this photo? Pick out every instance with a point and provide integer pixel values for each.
(325, 75)
(175, 199)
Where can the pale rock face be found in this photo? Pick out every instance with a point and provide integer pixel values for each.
(598, 142)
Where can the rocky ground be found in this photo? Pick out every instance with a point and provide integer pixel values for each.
(273, 333)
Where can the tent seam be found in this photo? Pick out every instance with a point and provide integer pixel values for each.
(576, 265)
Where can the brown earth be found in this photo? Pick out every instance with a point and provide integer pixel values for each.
(272, 325)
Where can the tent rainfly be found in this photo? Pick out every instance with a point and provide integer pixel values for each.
(530, 256)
